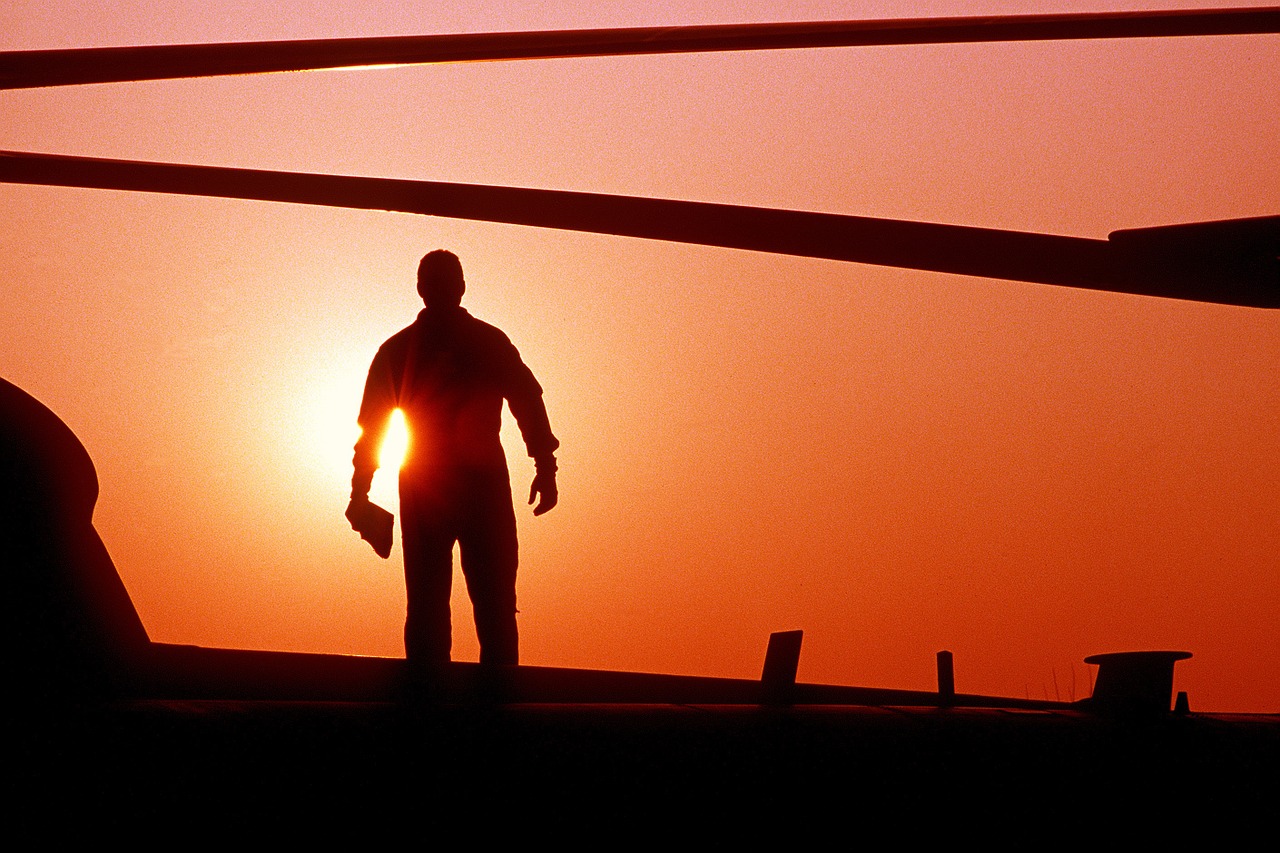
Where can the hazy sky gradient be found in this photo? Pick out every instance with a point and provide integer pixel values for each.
(897, 462)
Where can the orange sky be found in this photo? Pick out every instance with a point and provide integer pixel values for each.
(897, 462)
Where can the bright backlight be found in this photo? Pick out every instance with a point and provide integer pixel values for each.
(395, 443)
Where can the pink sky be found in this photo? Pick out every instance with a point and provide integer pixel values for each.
(897, 462)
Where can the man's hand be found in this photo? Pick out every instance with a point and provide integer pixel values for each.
(354, 508)
(372, 522)
(544, 485)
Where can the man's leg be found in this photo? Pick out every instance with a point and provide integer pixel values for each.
(490, 555)
(428, 577)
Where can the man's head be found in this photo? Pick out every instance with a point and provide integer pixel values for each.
(440, 282)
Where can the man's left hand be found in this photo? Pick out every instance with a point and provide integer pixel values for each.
(544, 489)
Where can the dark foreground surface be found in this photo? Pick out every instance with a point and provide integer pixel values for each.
(184, 770)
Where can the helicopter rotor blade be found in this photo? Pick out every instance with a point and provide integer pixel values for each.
(1233, 263)
(37, 68)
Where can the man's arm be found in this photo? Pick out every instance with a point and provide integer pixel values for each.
(375, 417)
(531, 416)
(372, 522)
(524, 396)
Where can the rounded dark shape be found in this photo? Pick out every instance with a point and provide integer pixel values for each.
(440, 280)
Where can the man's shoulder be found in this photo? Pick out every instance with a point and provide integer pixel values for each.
(399, 337)
(392, 352)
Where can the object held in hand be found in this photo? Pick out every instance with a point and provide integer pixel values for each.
(373, 523)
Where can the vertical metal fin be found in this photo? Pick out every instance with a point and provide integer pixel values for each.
(781, 662)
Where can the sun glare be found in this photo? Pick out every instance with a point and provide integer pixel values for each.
(395, 444)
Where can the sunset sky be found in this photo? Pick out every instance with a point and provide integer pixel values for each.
(896, 462)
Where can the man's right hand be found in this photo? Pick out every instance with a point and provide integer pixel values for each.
(353, 509)
(372, 522)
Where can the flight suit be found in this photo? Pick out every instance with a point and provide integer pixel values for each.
(450, 373)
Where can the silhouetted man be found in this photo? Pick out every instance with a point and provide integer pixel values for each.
(449, 373)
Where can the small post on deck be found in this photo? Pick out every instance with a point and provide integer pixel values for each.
(946, 680)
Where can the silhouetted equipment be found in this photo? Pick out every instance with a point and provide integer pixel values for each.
(27, 69)
(72, 631)
(1134, 683)
(1231, 262)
